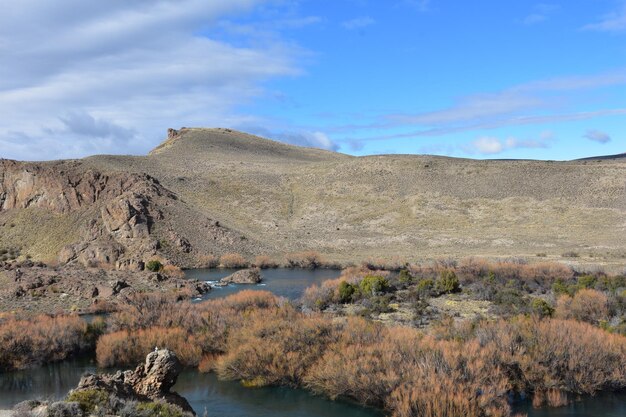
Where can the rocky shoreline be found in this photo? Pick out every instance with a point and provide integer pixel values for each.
(38, 288)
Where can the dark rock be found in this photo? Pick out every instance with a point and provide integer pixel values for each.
(118, 286)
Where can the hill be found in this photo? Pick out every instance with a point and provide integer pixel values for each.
(213, 191)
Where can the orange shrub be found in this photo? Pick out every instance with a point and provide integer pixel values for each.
(233, 260)
(264, 262)
(39, 340)
(587, 305)
(208, 261)
(130, 348)
(173, 271)
(306, 259)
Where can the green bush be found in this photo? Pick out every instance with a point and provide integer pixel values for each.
(425, 287)
(587, 281)
(346, 292)
(89, 400)
(448, 282)
(541, 308)
(160, 409)
(154, 266)
(374, 284)
(405, 277)
(561, 288)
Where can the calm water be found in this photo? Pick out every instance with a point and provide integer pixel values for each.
(289, 283)
(220, 398)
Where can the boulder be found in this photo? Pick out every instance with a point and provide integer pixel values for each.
(150, 381)
(245, 276)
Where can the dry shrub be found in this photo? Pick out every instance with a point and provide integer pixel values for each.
(128, 348)
(173, 271)
(587, 305)
(379, 264)
(275, 348)
(542, 273)
(265, 262)
(466, 371)
(556, 354)
(208, 261)
(306, 259)
(40, 339)
(161, 319)
(233, 260)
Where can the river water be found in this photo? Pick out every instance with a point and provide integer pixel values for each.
(231, 399)
(289, 283)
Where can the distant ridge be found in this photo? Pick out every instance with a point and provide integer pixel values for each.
(616, 156)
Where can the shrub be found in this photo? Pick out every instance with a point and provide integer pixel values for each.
(447, 283)
(160, 409)
(590, 306)
(89, 400)
(570, 254)
(586, 282)
(40, 339)
(306, 259)
(373, 285)
(425, 287)
(541, 308)
(208, 261)
(346, 291)
(265, 262)
(233, 260)
(405, 277)
(63, 409)
(173, 271)
(154, 265)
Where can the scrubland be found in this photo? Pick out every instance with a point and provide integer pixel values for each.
(550, 333)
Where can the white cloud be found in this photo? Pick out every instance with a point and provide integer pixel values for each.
(82, 77)
(358, 23)
(490, 145)
(597, 136)
(612, 22)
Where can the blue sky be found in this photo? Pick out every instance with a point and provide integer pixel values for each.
(486, 79)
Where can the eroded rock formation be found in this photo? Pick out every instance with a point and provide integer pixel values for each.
(150, 381)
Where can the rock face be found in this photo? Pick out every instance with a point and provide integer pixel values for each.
(148, 382)
(105, 217)
(245, 276)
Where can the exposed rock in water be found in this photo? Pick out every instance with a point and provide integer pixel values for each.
(150, 381)
(245, 276)
(144, 391)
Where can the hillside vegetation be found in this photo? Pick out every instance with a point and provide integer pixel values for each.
(215, 191)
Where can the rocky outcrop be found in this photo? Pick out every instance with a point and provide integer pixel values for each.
(245, 276)
(150, 381)
(43, 289)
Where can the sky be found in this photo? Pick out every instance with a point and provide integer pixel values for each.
(482, 79)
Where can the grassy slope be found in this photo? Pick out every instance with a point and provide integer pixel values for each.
(294, 198)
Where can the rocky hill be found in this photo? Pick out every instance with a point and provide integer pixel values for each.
(212, 191)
